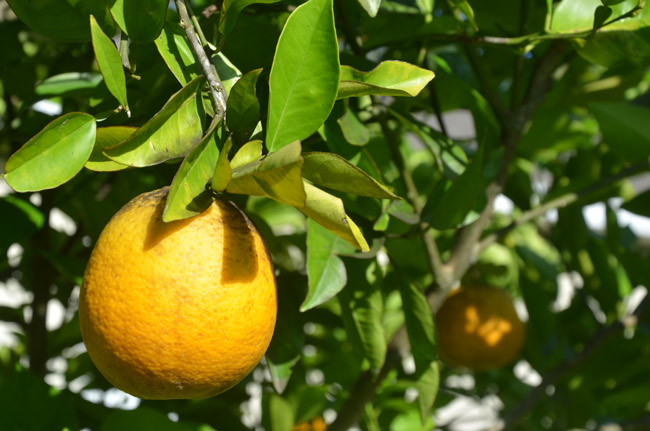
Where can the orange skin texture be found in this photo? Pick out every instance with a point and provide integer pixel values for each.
(184, 309)
(478, 328)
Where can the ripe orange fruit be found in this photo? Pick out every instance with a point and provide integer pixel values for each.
(177, 310)
(478, 328)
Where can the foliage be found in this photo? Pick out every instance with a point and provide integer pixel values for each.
(340, 144)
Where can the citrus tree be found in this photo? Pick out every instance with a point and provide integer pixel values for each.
(387, 152)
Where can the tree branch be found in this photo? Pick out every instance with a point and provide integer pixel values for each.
(561, 202)
(513, 417)
(216, 87)
(465, 251)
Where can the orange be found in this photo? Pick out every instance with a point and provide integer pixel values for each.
(177, 310)
(478, 328)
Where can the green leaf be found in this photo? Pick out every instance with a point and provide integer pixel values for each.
(62, 20)
(304, 76)
(354, 131)
(231, 10)
(142, 419)
(24, 218)
(389, 78)
(227, 71)
(333, 171)
(329, 212)
(108, 137)
(175, 50)
(421, 332)
(55, 155)
(453, 200)
(243, 108)
(325, 270)
(465, 8)
(639, 205)
(141, 20)
(110, 63)
(370, 6)
(249, 152)
(171, 133)
(362, 300)
(188, 195)
(449, 156)
(288, 340)
(277, 176)
(278, 414)
(625, 128)
(223, 171)
(70, 83)
(573, 16)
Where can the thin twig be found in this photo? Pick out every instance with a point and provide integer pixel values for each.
(514, 416)
(561, 202)
(216, 87)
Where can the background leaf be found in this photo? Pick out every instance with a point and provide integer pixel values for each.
(141, 21)
(304, 76)
(55, 155)
(325, 270)
(625, 128)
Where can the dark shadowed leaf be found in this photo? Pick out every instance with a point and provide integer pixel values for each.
(363, 304)
(142, 20)
(243, 108)
(188, 195)
(231, 10)
(23, 217)
(451, 201)
(333, 171)
(639, 205)
(304, 76)
(55, 155)
(325, 270)
(171, 133)
(110, 63)
(63, 20)
(625, 128)
(389, 78)
(421, 332)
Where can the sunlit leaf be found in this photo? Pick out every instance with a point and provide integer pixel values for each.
(277, 176)
(223, 171)
(389, 78)
(249, 152)
(69, 83)
(329, 212)
(55, 155)
(333, 171)
(304, 76)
